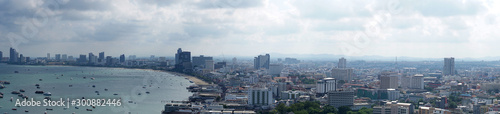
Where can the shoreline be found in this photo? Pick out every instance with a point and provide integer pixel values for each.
(195, 80)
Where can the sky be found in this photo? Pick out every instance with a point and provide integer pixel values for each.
(412, 28)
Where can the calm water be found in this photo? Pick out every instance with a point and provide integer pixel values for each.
(127, 83)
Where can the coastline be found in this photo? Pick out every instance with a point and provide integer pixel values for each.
(195, 80)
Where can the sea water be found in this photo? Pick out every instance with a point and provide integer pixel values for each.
(75, 83)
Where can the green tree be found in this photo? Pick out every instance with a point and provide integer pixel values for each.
(453, 105)
(344, 109)
(329, 109)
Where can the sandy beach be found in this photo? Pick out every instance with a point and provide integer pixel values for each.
(197, 81)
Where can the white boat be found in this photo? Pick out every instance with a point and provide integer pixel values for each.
(47, 94)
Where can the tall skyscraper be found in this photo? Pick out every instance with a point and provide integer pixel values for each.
(182, 56)
(275, 69)
(101, 57)
(82, 59)
(122, 58)
(64, 57)
(262, 61)
(209, 65)
(92, 58)
(14, 56)
(58, 57)
(1, 56)
(449, 66)
(48, 56)
(342, 63)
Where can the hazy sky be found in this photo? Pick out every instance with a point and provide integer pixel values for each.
(414, 28)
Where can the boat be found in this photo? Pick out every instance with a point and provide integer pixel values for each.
(14, 108)
(16, 71)
(1, 96)
(89, 109)
(105, 89)
(92, 78)
(115, 94)
(139, 94)
(147, 92)
(48, 98)
(39, 92)
(6, 82)
(93, 85)
(47, 94)
(39, 79)
(49, 109)
(15, 92)
(20, 95)
(2, 86)
(70, 85)
(37, 84)
(22, 90)
(77, 108)
(26, 111)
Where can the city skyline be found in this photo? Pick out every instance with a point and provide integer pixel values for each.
(425, 29)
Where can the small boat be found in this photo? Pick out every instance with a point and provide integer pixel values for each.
(84, 77)
(105, 89)
(147, 92)
(70, 85)
(39, 92)
(48, 98)
(115, 94)
(15, 92)
(96, 91)
(26, 111)
(93, 86)
(39, 79)
(38, 87)
(77, 108)
(22, 90)
(47, 94)
(89, 109)
(37, 84)
(139, 94)
(20, 95)
(92, 78)
(16, 71)
(130, 102)
(1, 96)
(14, 108)
(49, 109)
(2, 86)
(6, 82)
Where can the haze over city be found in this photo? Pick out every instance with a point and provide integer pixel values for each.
(424, 29)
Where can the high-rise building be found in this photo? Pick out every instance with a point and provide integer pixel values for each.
(48, 56)
(326, 85)
(209, 65)
(342, 63)
(70, 58)
(262, 61)
(275, 69)
(260, 97)
(122, 58)
(64, 57)
(340, 98)
(109, 60)
(82, 59)
(101, 57)
(92, 58)
(389, 81)
(449, 66)
(1, 56)
(182, 56)
(342, 74)
(22, 59)
(14, 56)
(199, 61)
(414, 82)
(58, 57)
